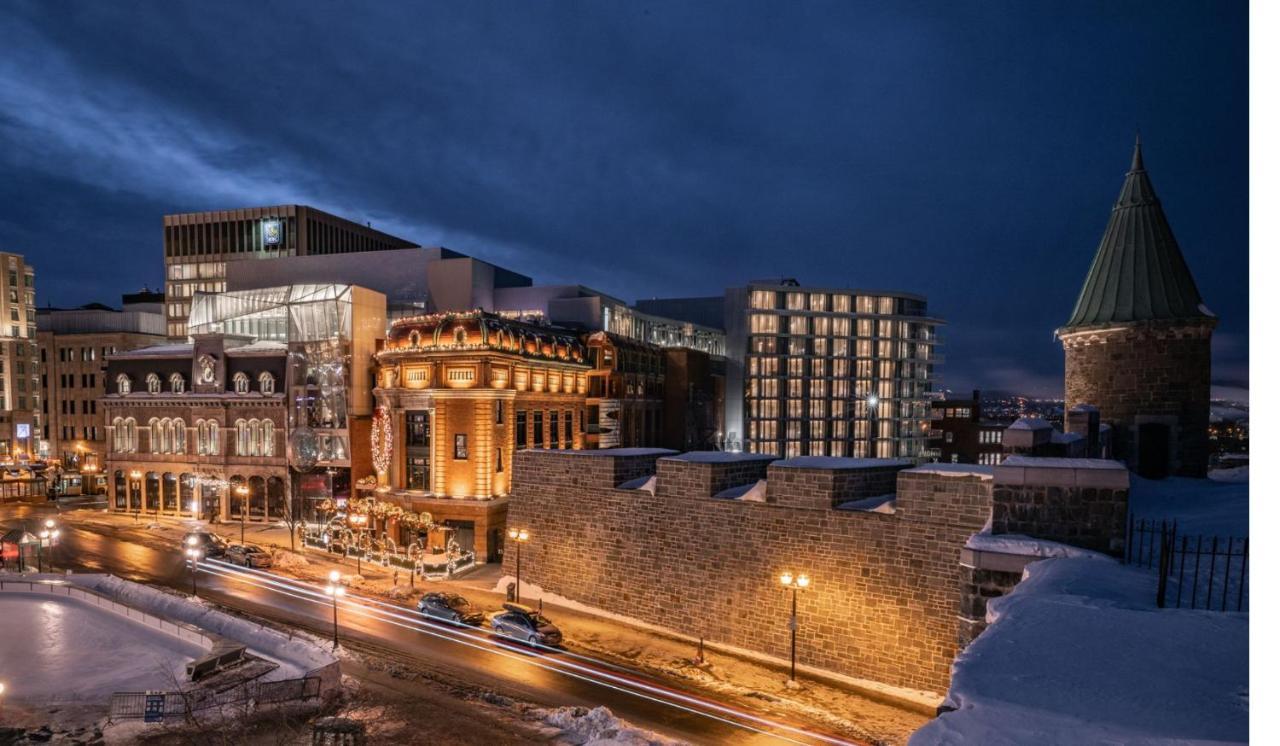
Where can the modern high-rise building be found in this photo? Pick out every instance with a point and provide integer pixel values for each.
(828, 372)
(20, 419)
(74, 344)
(198, 246)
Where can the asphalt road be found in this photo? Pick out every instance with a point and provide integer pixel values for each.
(491, 665)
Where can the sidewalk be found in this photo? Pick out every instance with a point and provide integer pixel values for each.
(851, 710)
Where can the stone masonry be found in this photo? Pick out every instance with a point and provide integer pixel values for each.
(1082, 502)
(883, 604)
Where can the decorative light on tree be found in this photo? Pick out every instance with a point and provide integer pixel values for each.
(381, 440)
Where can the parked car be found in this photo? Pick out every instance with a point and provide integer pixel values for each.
(248, 555)
(523, 623)
(450, 607)
(210, 544)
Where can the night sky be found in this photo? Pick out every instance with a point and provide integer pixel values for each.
(967, 151)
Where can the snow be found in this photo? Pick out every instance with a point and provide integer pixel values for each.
(184, 348)
(836, 462)
(1237, 475)
(261, 346)
(1078, 654)
(1084, 408)
(955, 470)
(878, 504)
(597, 727)
(1212, 507)
(53, 647)
(1205, 310)
(1030, 423)
(1038, 462)
(1060, 437)
(296, 655)
(755, 492)
(648, 484)
(1026, 546)
(719, 457)
(611, 451)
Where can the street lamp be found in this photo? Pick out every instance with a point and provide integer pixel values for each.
(48, 535)
(135, 496)
(519, 536)
(335, 591)
(242, 492)
(358, 521)
(194, 554)
(795, 583)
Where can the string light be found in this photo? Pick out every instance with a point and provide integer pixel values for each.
(382, 444)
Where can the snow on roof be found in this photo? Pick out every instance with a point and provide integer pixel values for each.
(1060, 437)
(837, 462)
(1030, 423)
(1037, 462)
(1078, 653)
(260, 347)
(646, 484)
(718, 457)
(955, 470)
(1084, 408)
(609, 451)
(878, 504)
(167, 350)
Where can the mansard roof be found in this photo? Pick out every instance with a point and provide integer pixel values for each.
(1138, 273)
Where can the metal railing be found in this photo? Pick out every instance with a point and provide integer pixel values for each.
(1195, 572)
(162, 705)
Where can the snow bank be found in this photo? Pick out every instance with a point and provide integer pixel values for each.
(1238, 475)
(1030, 423)
(1211, 506)
(719, 457)
(282, 559)
(839, 462)
(754, 492)
(955, 470)
(877, 504)
(597, 727)
(646, 484)
(297, 655)
(1026, 546)
(1078, 654)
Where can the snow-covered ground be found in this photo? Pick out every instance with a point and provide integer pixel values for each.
(58, 649)
(1218, 506)
(1078, 654)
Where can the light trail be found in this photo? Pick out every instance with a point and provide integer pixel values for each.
(617, 679)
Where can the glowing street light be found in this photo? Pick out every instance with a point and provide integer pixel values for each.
(335, 591)
(795, 583)
(135, 486)
(48, 535)
(194, 554)
(519, 536)
(242, 492)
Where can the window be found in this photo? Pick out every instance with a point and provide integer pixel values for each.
(418, 474)
(153, 383)
(568, 428)
(522, 433)
(950, 437)
(267, 439)
(498, 460)
(177, 384)
(418, 426)
(241, 382)
(498, 412)
(123, 385)
(266, 383)
(537, 429)
(460, 446)
(555, 429)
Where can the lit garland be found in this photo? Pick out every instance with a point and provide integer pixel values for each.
(381, 440)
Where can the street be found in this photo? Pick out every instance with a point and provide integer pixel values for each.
(550, 679)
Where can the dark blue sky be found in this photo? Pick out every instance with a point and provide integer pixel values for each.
(966, 151)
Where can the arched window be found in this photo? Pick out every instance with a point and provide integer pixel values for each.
(266, 383)
(459, 335)
(153, 383)
(153, 434)
(241, 382)
(177, 384)
(178, 436)
(268, 439)
(130, 435)
(415, 339)
(123, 384)
(242, 438)
(117, 435)
(202, 438)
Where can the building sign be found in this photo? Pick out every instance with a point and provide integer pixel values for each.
(24, 431)
(153, 711)
(272, 232)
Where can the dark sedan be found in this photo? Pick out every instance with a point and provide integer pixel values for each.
(450, 607)
(523, 623)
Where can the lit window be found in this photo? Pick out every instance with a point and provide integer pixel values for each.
(153, 383)
(123, 384)
(266, 383)
(241, 382)
(177, 384)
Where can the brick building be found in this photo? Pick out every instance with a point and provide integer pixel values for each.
(21, 418)
(1138, 342)
(959, 433)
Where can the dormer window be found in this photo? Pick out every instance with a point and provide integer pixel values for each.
(177, 384)
(266, 383)
(241, 382)
(459, 336)
(123, 384)
(153, 383)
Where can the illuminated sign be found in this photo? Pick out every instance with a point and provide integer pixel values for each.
(272, 232)
(24, 430)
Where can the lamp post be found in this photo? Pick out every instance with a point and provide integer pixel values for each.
(358, 521)
(135, 491)
(519, 536)
(194, 554)
(794, 583)
(335, 591)
(242, 492)
(48, 535)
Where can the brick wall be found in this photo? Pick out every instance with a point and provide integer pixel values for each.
(1056, 499)
(807, 487)
(883, 604)
(686, 475)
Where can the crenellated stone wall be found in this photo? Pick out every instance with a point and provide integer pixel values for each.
(883, 604)
(1082, 502)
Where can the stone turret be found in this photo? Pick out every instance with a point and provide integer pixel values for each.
(1137, 344)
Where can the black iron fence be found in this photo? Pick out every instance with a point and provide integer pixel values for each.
(157, 706)
(1194, 571)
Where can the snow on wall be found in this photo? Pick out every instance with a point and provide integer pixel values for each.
(1026, 546)
(1078, 654)
(1211, 506)
(956, 470)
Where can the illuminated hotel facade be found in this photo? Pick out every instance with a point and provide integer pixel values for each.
(828, 372)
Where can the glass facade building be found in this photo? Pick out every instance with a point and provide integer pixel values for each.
(828, 372)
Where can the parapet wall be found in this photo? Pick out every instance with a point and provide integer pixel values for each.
(1082, 502)
(883, 602)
